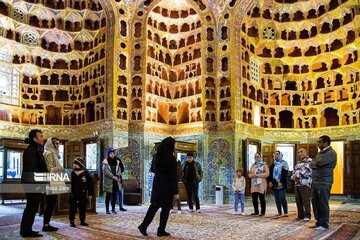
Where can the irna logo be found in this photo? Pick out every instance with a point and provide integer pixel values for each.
(51, 177)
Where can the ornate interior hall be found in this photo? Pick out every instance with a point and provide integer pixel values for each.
(225, 78)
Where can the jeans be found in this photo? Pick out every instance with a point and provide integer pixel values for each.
(113, 195)
(121, 194)
(320, 202)
(280, 200)
(239, 197)
(302, 197)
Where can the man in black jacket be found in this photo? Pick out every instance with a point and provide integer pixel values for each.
(33, 161)
(322, 179)
(191, 177)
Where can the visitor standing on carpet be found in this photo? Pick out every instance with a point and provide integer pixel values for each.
(112, 169)
(52, 157)
(258, 174)
(165, 186)
(278, 182)
(322, 166)
(239, 184)
(33, 161)
(191, 177)
(81, 189)
(111, 156)
(302, 178)
(178, 178)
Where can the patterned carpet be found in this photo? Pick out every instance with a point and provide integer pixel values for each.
(213, 223)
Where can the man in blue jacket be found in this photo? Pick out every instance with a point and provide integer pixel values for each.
(323, 177)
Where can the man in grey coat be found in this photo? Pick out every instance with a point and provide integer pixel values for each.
(323, 177)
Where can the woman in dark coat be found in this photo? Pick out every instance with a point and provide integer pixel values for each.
(164, 186)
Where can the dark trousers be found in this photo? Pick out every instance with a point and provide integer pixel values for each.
(164, 215)
(113, 196)
(77, 204)
(50, 201)
(192, 193)
(261, 196)
(32, 206)
(320, 202)
(302, 197)
(280, 200)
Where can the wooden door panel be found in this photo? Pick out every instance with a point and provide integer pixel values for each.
(73, 150)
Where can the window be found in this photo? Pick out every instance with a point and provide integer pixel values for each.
(269, 33)
(288, 154)
(14, 164)
(18, 14)
(252, 149)
(91, 156)
(30, 38)
(61, 152)
(1, 163)
(9, 78)
(9, 85)
(257, 116)
(255, 70)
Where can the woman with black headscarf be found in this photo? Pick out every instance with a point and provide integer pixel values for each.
(164, 186)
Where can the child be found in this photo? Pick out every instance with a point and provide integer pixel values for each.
(81, 189)
(239, 184)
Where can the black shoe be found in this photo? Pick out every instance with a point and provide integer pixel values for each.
(108, 212)
(254, 214)
(142, 230)
(262, 214)
(113, 212)
(72, 224)
(84, 224)
(123, 209)
(163, 234)
(49, 228)
(31, 234)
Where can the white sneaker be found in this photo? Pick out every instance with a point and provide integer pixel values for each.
(242, 213)
(198, 211)
(179, 212)
(191, 210)
(306, 219)
(321, 228)
(233, 213)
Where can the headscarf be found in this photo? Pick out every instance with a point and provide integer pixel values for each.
(49, 146)
(166, 147)
(259, 169)
(164, 156)
(279, 164)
